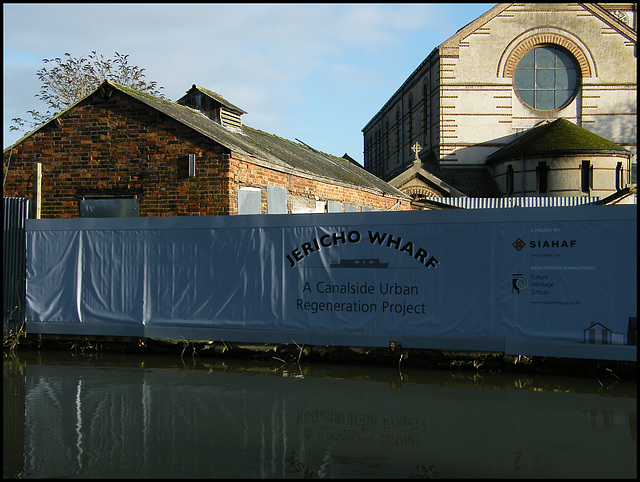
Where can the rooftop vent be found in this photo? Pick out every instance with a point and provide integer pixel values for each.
(213, 105)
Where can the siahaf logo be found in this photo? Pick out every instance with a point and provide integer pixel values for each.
(519, 244)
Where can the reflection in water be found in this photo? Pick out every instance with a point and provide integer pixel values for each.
(129, 416)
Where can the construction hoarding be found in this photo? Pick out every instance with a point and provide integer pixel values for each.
(548, 281)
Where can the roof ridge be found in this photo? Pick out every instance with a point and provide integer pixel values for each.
(614, 22)
(217, 97)
(251, 142)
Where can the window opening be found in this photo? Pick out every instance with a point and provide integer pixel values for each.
(386, 146)
(586, 177)
(546, 78)
(398, 126)
(425, 113)
(510, 180)
(109, 207)
(619, 176)
(541, 171)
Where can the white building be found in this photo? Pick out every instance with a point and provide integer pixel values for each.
(517, 67)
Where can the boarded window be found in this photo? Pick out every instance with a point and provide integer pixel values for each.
(333, 207)
(109, 208)
(249, 200)
(276, 200)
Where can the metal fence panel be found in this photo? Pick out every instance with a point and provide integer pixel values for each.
(16, 211)
(513, 202)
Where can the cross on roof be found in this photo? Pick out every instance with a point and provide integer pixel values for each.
(416, 148)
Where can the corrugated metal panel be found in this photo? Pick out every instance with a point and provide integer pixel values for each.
(16, 211)
(513, 202)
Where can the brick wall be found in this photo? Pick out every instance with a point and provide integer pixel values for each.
(300, 185)
(119, 147)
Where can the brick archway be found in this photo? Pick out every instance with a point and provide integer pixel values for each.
(547, 38)
(418, 192)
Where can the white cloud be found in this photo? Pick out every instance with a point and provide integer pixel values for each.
(292, 67)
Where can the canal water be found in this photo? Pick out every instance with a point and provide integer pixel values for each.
(69, 415)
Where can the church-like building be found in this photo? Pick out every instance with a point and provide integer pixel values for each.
(528, 100)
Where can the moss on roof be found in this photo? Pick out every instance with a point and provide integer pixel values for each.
(268, 147)
(557, 137)
(312, 161)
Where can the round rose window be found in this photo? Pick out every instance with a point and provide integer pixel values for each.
(546, 78)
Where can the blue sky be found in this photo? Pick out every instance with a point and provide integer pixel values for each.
(316, 72)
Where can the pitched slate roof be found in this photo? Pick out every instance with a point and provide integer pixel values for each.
(263, 148)
(216, 96)
(408, 178)
(556, 138)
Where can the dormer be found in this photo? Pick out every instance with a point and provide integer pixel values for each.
(213, 105)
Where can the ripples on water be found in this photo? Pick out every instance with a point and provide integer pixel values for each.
(111, 415)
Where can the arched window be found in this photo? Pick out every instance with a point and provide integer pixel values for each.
(379, 150)
(510, 181)
(546, 78)
(386, 144)
(410, 120)
(425, 113)
(398, 127)
(619, 177)
(370, 153)
(376, 157)
(586, 176)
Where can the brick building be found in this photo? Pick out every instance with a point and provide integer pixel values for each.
(119, 152)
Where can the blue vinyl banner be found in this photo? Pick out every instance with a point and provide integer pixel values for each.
(528, 281)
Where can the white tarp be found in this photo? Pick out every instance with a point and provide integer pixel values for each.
(486, 278)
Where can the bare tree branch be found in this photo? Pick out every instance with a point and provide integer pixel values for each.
(67, 80)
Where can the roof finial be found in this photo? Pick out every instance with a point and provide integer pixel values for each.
(416, 149)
